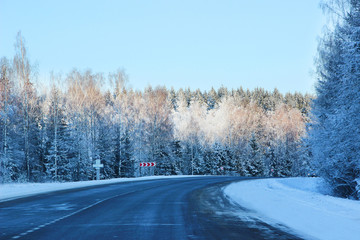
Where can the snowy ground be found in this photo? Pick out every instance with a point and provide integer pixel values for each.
(300, 204)
(17, 190)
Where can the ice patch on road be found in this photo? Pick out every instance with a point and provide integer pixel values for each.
(36, 208)
(299, 204)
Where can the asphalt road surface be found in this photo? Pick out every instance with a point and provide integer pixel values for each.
(176, 208)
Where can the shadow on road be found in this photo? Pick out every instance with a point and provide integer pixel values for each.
(217, 217)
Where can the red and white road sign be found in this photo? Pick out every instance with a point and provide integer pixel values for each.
(147, 164)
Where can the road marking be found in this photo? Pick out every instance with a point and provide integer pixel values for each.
(162, 203)
(66, 216)
(149, 224)
(128, 224)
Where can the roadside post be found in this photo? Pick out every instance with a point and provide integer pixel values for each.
(97, 166)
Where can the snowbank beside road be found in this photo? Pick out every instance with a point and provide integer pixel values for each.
(17, 190)
(300, 204)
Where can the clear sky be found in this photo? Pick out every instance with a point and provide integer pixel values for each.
(179, 43)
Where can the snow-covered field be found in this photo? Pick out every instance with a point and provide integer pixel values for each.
(302, 205)
(17, 190)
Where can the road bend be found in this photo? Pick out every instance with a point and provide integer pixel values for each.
(175, 208)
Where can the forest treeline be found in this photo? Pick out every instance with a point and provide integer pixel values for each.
(56, 133)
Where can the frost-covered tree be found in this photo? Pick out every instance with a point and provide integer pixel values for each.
(254, 159)
(78, 122)
(158, 129)
(6, 116)
(57, 136)
(335, 134)
(117, 109)
(28, 104)
(212, 98)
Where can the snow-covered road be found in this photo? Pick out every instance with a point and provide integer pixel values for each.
(300, 204)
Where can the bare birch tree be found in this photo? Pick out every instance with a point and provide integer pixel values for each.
(23, 72)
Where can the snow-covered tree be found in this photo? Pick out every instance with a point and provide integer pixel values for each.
(23, 72)
(6, 115)
(158, 128)
(57, 135)
(335, 134)
(254, 159)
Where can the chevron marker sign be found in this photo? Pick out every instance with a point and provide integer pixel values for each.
(147, 164)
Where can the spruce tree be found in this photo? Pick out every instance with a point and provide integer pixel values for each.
(335, 133)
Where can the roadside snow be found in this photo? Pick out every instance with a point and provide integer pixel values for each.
(301, 205)
(18, 190)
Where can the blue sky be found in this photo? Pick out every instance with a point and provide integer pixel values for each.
(187, 43)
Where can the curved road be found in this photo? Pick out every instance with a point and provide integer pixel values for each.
(175, 208)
